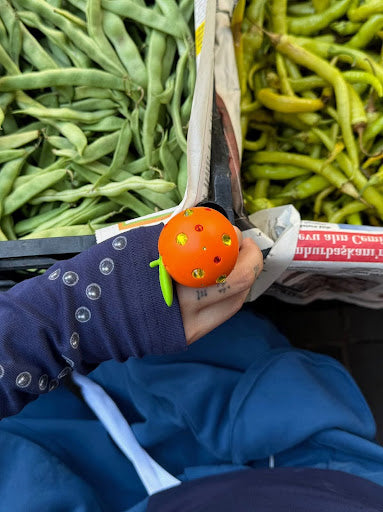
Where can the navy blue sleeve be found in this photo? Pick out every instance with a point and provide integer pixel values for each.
(104, 303)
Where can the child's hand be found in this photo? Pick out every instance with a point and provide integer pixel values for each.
(203, 309)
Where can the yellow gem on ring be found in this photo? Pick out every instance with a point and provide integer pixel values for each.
(226, 239)
(181, 238)
(198, 273)
(188, 212)
(221, 279)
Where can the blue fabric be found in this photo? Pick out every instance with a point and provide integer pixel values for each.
(277, 490)
(45, 330)
(235, 397)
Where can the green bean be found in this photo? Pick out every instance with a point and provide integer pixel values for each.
(353, 56)
(175, 104)
(77, 230)
(301, 9)
(120, 153)
(69, 130)
(255, 145)
(69, 16)
(9, 124)
(328, 171)
(27, 191)
(290, 120)
(273, 172)
(6, 98)
(308, 188)
(8, 175)
(25, 226)
(102, 218)
(87, 210)
(293, 183)
(101, 147)
(287, 45)
(168, 60)
(3, 236)
(278, 16)
(55, 37)
(345, 27)
(373, 129)
(319, 200)
(262, 203)
(358, 115)
(108, 124)
(35, 53)
(169, 163)
(311, 24)
(7, 14)
(95, 27)
(261, 188)
(72, 31)
(367, 31)
(6, 227)
(61, 58)
(156, 51)
(353, 207)
(79, 4)
(143, 15)
(10, 154)
(136, 134)
(67, 76)
(128, 200)
(354, 219)
(83, 92)
(167, 94)
(112, 189)
(187, 9)
(16, 140)
(31, 170)
(163, 201)
(7, 62)
(91, 104)
(159, 199)
(46, 157)
(58, 142)
(74, 134)
(99, 169)
(125, 48)
(3, 35)
(84, 174)
(15, 41)
(353, 77)
(371, 195)
(171, 10)
(66, 114)
(365, 10)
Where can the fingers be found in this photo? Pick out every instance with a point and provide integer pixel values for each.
(248, 266)
(203, 309)
(239, 235)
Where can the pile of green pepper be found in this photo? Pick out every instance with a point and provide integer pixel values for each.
(95, 99)
(311, 78)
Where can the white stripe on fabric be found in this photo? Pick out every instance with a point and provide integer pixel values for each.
(153, 476)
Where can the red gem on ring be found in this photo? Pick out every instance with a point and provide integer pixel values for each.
(198, 227)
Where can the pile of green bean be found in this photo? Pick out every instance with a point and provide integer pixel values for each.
(311, 77)
(95, 100)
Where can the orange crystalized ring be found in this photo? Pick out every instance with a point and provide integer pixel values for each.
(198, 247)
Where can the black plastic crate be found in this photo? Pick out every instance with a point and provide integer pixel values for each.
(20, 259)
